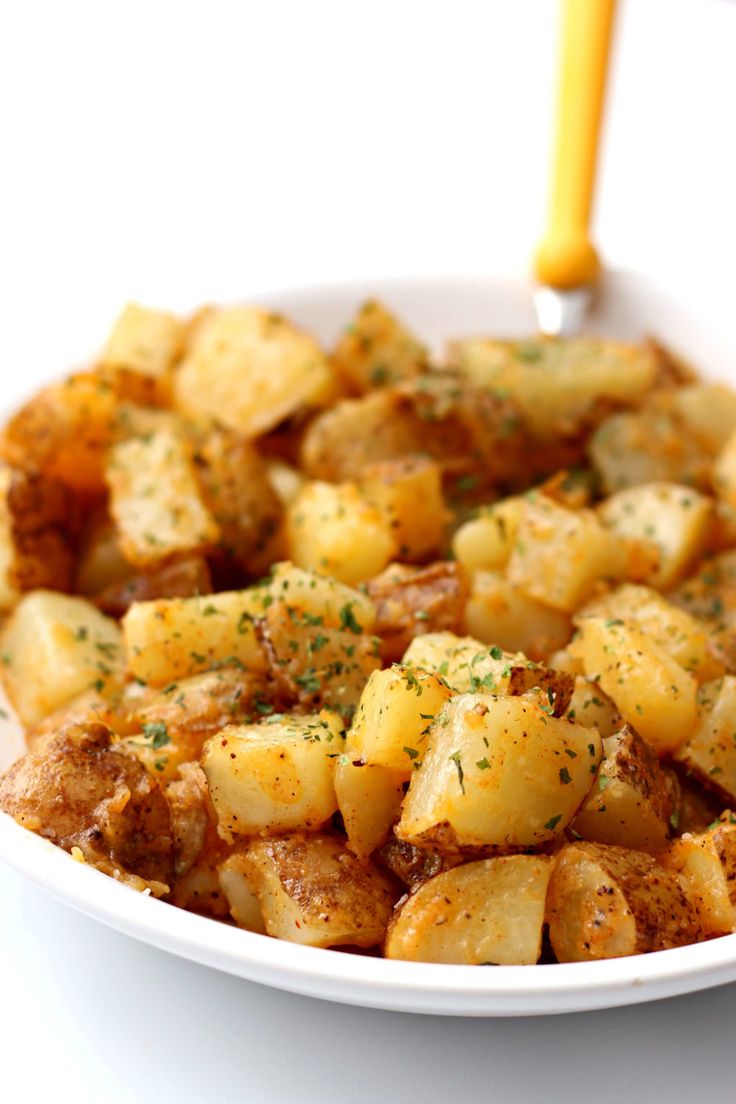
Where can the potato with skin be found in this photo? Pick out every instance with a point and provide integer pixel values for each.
(275, 776)
(499, 773)
(188, 578)
(710, 594)
(313, 891)
(376, 350)
(412, 601)
(652, 692)
(482, 913)
(608, 902)
(316, 597)
(499, 613)
(54, 648)
(408, 493)
(36, 516)
(369, 800)
(710, 752)
(707, 863)
(629, 804)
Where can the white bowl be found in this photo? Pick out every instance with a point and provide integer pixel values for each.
(628, 306)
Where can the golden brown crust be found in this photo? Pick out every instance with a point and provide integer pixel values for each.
(411, 601)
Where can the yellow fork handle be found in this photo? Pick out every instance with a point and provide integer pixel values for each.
(566, 257)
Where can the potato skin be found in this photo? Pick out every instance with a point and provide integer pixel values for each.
(76, 789)
(411, 601)
(608, 902)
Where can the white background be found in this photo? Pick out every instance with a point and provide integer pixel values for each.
(179, 152)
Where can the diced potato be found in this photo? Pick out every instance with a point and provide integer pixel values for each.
(273, 776)
(499, 613)
(560, 383)
(466, 665)
(54, 647)
(487, 913)
(652, 692)
(679, 634)
(244, 907)
(172, 638)
(411, 601)
(607, 902)
(35, 549)
(564, 660)
(312, 890)
(697, 861)
(650, 445)
(318, 599)
(711, 593)
(485, 543)
(589, 706)
(248, 370)
(408, 494)
(156, 501)
(710, 752)
(708, 410)
(499, 773)
(369, 800)
(63, 432)
(559, 555)
(393, 717)
(672, 517)
(629, 805)
(143, 346)
(376, 350)
(333, 529)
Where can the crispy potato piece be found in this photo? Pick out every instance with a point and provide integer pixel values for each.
(274, 776)
(88, 708)
(499, 613)
(674, 518)
(35, 546)
(467, 665)
(243, 502)
(55, 647)
(369, 800)
(563, 385)
(560, 555)
(710, 752)
(79, 791)
(707, 863)
(485, 542)
(244, 907)
(589, 706)
(63, 432)
(248, 369)
(630, 803)
(334, 529)
(411, 601)
(607, 902)
(710, 594)
(141, 351)
(408, 494)
(499, 773)
(708, 413)
(393, 717)
(652, 692)
(188, 578)
(376, 350)
(172, 638)
(487, 913)
(317, 599)
(191, 815)
(156, 501)
(313, 891)
(414, 865)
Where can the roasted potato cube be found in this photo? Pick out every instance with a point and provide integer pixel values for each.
(707, 864)
(63, 432)
(630, 804)
(467, 665)
(317, 599)
(485, 543)
(54, 647)
(393, 717)
(487, 913)
(313, 891)
(499, 613)
(156, 501)
(674, 518)
(648, 446)
(411, 601)
(188, 578)
(369, 800)
(334, 529)
(561, 384)
(376, 350)
(78, 790)
(679, 634)
(35, 547)
(589, 706)
(248, 369)
(142, 349)
(498, 773)
(172, 638)
(244, 907)
(273, 776)
(710, 752)
(652, 692)
(607, 902)
(559, 555)
(408, 495)
(710, 594)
